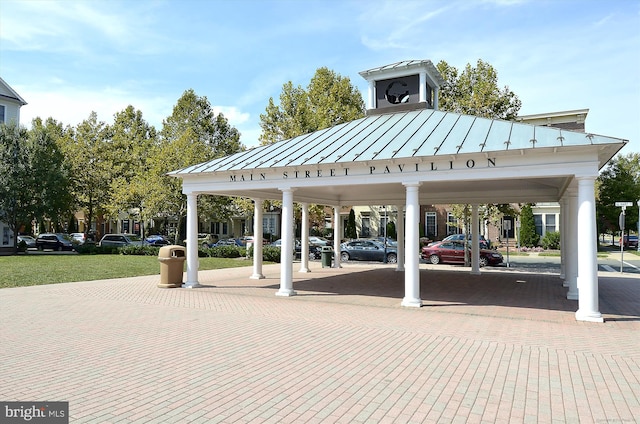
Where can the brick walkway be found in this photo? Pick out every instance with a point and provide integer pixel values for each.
(500, 347)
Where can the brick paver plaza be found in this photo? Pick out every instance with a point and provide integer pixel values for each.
(500, 347)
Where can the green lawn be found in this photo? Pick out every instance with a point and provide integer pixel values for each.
(32, 270)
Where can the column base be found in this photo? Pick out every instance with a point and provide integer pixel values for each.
(411, 303)
(191, 285)
(475, 272)
(572, 295)
(589, 316)
(304, 270)
(565, 284)
(257, 277)
(286, 292)
(400, 269)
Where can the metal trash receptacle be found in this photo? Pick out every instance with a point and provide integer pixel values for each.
(326, 254)
(171, 259)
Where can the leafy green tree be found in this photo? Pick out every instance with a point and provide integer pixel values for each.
(475, 91)
(33, 180)
(329, 100)
(192, 134)
(50, 176)
(619, 181)
(87, 156)
(131, 140)
(16, 201)
(528, 235)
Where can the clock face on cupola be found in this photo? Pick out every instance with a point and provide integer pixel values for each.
(402, 86)
(397, 91)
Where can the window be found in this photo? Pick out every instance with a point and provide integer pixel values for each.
(452, 224)
(2, 109)
(538, 221)
(550, 223)
(430, 227)
(383, 225)
(366, 227)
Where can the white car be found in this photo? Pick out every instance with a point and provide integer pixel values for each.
(319, 241)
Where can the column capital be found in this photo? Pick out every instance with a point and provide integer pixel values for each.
(287, 189)
(409, 184)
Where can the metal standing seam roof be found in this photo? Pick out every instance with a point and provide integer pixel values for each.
(404, 135)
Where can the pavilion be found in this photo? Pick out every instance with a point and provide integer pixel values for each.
(406, 152)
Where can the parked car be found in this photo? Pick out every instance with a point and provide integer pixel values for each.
(484, 244)
(28, 240)
(452, 252)
(120, 240)
(630, 241)
(228, 242)
(157, 240)
(55, 241)
(315, 252)
(367, 250)
(319, 241)
(78, 238)
(390, 241)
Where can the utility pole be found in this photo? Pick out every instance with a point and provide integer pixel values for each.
(623, 205)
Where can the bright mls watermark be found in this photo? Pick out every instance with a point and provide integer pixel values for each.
(34, 412)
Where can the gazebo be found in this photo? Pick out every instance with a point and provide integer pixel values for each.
(406, 152)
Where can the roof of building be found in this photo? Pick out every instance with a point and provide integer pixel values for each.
(405, 135)
(7, 92)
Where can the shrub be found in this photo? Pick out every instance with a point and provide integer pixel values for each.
(223, 252)
(139, 250)
(271, 254)
(93, 249)
(551, 240)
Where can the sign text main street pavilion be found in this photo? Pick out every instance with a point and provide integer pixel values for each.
(369, 169)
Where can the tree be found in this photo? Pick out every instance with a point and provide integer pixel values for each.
(131, 140)
(475, 92)
(33, 180)
(50, 176)
(85, 150)
(192, 134)
(329, 100)
(16, 201)
(619, 181)
(528, 235)
(350, 228)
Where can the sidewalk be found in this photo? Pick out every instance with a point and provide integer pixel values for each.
(500, 347)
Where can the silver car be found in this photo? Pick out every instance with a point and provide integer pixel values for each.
(120, 240)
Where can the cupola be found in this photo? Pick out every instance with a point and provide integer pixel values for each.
(403, 86)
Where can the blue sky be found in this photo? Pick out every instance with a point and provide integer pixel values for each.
(68, 58)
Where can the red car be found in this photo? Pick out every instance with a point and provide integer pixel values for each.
(630, 241)
(452, 252)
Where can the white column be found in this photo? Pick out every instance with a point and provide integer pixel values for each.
(257, 240)
(192, 242)
(286, 249)
(571, 277)
(563, 238)
(304, 258)
(436, 90)
(371, 98)
(588, 309)
(423, 87)
(475, 241)
(400, 231)
(336, 237)
(412, 245)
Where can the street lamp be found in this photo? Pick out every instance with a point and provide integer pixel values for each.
(638, 203)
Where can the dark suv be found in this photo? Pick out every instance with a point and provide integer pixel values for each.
(53, 241)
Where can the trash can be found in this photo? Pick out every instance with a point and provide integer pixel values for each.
(171, 259)
(326, 254)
